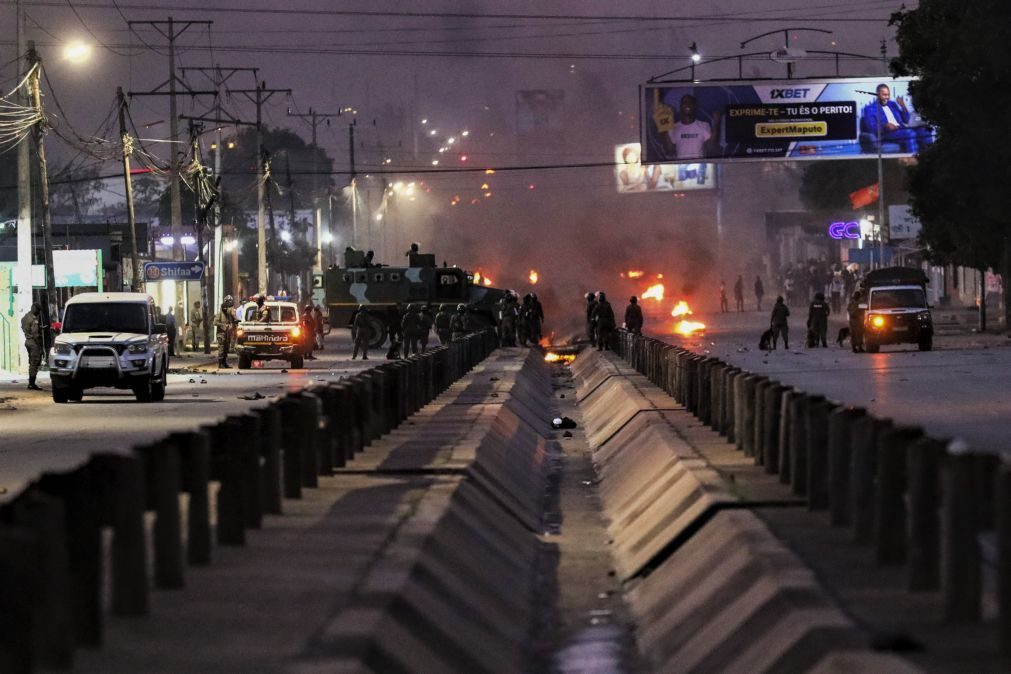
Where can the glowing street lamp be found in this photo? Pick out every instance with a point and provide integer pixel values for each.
(77, 52)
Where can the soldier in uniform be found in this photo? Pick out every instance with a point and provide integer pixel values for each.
(412, 328)
(507, 324)
(603, 319)
(32, 327)
(262, 311)
(308, 332)
(817, 321)
(856, 316)
(196, 325)
(591, 327)
(225, 321)
(362, 331)
(534, 317)
(633, 316)
(443, 319)
(427, 320)
(458, 324)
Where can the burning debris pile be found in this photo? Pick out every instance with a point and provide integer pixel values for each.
(685, 327)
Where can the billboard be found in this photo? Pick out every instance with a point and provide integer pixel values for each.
(791, 119)
(631, 176)
(902, 224)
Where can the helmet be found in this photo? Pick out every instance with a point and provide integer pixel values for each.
(443, 307)
(590, 297)
(228, 301)
(460, 308)
(601, 296)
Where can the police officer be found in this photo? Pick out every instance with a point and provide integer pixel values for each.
(225, 321)
(817, 321)
(522, 334)
(262, 312)
(591, 327)
(458, 324)
(533, 319)
(32, 327)
(779, 325)
(427, 320)
(442, 324)
(856, 316)
(308, 332)
(603, 320)
(507, 323)
(196, 325)
(363, 332)
(633, 316)
(412, 328)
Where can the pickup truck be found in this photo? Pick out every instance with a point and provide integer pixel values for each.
(280, 338)
(896, 309)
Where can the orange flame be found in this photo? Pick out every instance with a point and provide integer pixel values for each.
(487, 281)
(563, 358)
(636, 274)
(534, 277)
(654, 292)
(681, 309)
(688, 328)
(477, 277)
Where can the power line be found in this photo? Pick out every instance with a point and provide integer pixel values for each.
(91, 33)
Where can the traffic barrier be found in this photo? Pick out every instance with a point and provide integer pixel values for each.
(230, 473)
(864, 435)
(163, 482)
(758, 415)
(923, 461)
(890, 521)
(817, 453)
(195, 461)
(772, 413)
(962, 579)
(840, 457)
(1002, 495)
(786, 423)
(120, 485)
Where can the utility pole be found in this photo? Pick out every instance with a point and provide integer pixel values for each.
(218, 76)
(259, 96)
(135, 280)
(354, 183)
(23, 277)
(35, 84)
(317, 216)
(171, 30)
(204, 190)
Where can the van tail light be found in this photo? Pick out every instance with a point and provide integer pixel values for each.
(296, 331)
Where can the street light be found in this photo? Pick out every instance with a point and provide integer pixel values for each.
(77, 52)
(696, 56)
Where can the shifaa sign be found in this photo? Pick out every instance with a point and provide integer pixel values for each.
(631, 176)
(173, 271)
(792, 119)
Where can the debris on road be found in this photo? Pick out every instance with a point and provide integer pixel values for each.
(255, 396)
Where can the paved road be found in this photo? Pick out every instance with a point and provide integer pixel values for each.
(961, 389)
(37, 434)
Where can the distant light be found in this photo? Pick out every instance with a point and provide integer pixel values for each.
(327, 237)
(531, 186)
(231, 145)
(286, 237)
(441, 150)
(489, 172)
(465, 134)
(484, 186)
(432, 132)
(167, 240)
(696, 56)
(435, 162)
(214, 146)
(463, 157)
(187, 239)
(487, 194)
(379, 217)
(425, 121)
(398, 185)
(450, 140)
(231, 245)
(77, 52)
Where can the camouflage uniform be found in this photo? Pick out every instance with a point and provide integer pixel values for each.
(363, 333)
(225, 321)
(32, 328)
(443, 320)
(458, 324)
(412, 327)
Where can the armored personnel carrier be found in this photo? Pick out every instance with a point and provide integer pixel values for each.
(359, 282)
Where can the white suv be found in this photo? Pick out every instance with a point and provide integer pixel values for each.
(109, 339)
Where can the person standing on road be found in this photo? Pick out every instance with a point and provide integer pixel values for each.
(443, 321)
(458, 325)
(856, 315)
(362, 332)
(633, 316)
(425, 332)
(225, 322)
(317, 317)
(724, 307)
(759, 292)
(31, 325)
(837, 286)
(591, 327)
(780, 328)
(817, 320)
(739, 293)
(170, 329)
(411, 327)
(603, 319)
(196, 326)
(308, 332)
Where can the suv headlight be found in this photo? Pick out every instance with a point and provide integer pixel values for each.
(63, 349)
(137, 348)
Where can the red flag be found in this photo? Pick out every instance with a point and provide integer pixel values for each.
(865, 196)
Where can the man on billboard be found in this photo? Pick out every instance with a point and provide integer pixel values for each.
(886, 121)
(689, 134)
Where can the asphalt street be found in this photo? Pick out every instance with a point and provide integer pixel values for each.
(37, 435)
(959, 390)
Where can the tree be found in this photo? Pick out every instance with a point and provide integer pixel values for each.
(961, 53)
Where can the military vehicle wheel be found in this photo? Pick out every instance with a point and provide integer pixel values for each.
(871, 347)
(378, 331)
(926, 342)
(297, 363)
(61, 395)
(245, 361)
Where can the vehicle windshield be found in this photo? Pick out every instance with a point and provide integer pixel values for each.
(898, 298)
(287, 314)
(106, 317)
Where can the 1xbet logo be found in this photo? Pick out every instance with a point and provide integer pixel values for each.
(789, 93)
